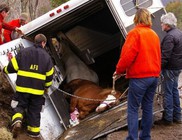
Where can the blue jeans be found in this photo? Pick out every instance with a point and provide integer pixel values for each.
(172, 110)
(141, 92)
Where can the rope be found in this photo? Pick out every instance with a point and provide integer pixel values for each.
(88, 99)
(124, 93)
(113, 86)
(114, 78)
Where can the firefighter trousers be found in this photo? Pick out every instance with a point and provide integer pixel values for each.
(31, 106)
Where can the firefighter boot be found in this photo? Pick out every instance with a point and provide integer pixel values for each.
(16, 127)
(36, 137)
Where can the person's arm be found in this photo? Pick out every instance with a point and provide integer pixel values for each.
(49, 74)
(166, 48)
(128, 53)
(11, 28)
(12, 66)
(8, 27)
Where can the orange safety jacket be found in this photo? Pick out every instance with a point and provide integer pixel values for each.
(140, 55)
(5, 26)
(7, 33)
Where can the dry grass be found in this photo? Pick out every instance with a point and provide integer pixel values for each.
(5, 134)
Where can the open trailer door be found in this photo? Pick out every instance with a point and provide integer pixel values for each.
(124, 10)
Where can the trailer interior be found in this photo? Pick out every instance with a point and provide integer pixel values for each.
(92, 34)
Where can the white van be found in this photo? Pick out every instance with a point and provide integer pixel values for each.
(95, 31)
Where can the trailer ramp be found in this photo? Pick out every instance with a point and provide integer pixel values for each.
(104, 123)
(89, 128)
(120, 123)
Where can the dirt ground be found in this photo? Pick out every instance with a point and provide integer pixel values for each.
(6, 93)
(159, 132)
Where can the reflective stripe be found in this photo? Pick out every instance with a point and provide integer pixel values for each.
(6, 70)
(50, 72)
(29, 90)
(32, 75)
(17, 115)
(15, 64)
(48, 84)
(33, 129)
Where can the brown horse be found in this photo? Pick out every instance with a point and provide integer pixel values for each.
(89, 97)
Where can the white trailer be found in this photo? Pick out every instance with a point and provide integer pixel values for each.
(95, 31)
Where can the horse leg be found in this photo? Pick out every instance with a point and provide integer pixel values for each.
(84, 110)
(73, 104)
(83, 114)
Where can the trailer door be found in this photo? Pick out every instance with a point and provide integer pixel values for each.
(124, 10)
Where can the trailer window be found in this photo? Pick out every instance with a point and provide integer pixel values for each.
(129, 6)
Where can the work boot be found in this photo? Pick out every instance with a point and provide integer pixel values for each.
(163, 122)
(178, 121)
(36, 137)
(16, 128)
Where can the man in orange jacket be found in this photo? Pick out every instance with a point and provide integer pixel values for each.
(4, 9)
(22, 20)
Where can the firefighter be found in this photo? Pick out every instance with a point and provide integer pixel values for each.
(34, 69)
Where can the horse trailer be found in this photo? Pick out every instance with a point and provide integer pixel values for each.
(94, 30)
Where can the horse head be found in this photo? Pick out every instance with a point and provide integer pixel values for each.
(111, 100)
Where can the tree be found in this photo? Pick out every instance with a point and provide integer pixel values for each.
(24, 4)
(15, 8)
(34, 8)
(30, 6)
(56, 3)
(176, 8)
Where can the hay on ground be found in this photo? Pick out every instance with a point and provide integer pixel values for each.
(5, 134)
